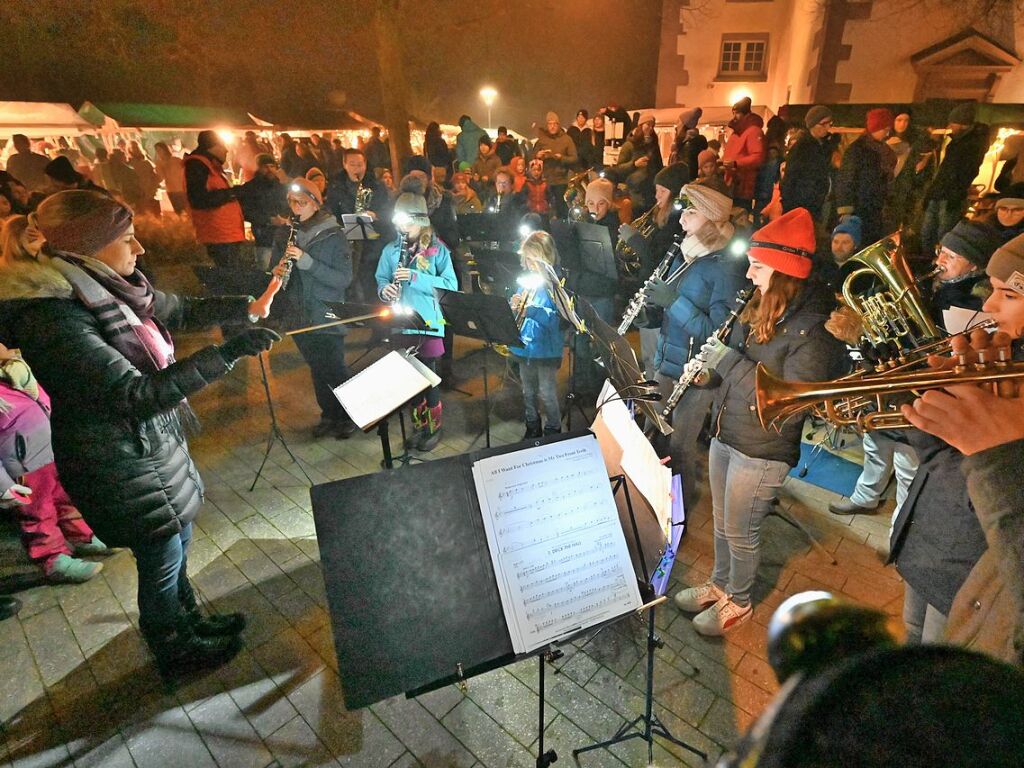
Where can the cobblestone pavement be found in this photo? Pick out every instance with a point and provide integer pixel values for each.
(79, 689)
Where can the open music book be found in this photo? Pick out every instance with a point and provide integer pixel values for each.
(558, 550)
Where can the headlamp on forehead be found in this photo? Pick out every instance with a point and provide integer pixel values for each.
(401, 219)
(739, 247)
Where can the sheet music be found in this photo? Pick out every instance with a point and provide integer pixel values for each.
(379, 389)
(958, 319)
(636, 457)
(558, 550)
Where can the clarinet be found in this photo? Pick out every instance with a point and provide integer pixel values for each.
(404, 257)
(636, 304)
(289, 263)
(687, 379)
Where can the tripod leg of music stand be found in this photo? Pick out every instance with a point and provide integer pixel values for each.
(544, 759)
(385, 443)
(803, 529)
(275, 433)
(487, 408)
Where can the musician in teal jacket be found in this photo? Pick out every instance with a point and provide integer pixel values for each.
(409, 280)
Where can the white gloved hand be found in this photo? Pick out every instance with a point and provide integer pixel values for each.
(16, 496)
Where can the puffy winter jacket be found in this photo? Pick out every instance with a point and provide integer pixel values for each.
(961, 159)
(117, 438)
(327, 273)
(541, 332)
(862, 186)
(24, 434)
(808, 174)
(418, 293)
(467, 143)
(707, 293)
(745, 147)
(800, 350)
(556, 170)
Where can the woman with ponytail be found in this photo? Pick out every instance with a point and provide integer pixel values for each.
(95, 333)
(783, 328)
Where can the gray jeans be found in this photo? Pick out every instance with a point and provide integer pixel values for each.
(540, 380)
(742, 491)
(924, 622)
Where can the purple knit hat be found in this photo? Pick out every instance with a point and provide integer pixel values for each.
(87, 221)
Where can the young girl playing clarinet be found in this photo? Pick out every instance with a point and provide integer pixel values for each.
(541, 353)
(409, 270)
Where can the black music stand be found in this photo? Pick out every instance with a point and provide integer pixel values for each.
(358, 226)
(275, 430)
(483, 317)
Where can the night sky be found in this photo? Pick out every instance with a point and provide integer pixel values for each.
(274, 58)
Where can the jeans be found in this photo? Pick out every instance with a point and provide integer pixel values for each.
(742, 492)
(163, 581)
(687, 455)
(588, 375)
(940, 216)
(924, 622)
(324, 353)
(883, 455)
(648, 347)
(540, 380)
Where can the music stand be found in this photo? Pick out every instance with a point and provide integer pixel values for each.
(275, 430)
(483, 317)
(358, 226)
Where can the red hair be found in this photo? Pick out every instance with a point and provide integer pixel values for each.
(767, 308)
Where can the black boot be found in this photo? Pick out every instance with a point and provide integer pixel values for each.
(552, 431)
(216, 624)
(178, 651)
(9, 606)
(532, 430)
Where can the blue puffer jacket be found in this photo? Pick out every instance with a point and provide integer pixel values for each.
(707, 293)
(541, 334)
(433, 270)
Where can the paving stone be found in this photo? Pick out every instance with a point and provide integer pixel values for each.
(256, 694)
(228, 735)
(53, 644)
(162, 736)
(563, 737)
(443, 700)
(509, 702)
(295, 745)
(492, 745)
(111, 752)
(432, 744)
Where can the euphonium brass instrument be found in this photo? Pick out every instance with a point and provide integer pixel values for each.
(531, 282)
(896, 314)
(627, 259)
(363, 197)
(575, 194)
(844, 402)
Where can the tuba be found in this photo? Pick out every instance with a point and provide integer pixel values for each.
(628, 262)
(895, 315)
(576, 194)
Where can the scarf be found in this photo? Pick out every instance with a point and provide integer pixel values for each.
(709, 238)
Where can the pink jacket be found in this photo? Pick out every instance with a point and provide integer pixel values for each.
(745, 147)
(24, 434)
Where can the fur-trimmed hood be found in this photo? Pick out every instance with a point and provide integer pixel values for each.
(33, 280)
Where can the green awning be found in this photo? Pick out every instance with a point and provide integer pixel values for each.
(931, 114)
(166, 116)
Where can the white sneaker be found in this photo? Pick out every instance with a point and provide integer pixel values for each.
(721, 617)
(698, 598)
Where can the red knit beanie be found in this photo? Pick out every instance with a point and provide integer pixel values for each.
(786, 244)
(878, 119)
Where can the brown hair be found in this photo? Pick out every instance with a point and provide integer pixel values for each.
(539, 245)
(12, 237)
(765, 310)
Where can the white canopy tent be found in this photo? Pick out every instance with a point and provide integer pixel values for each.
(40, 119)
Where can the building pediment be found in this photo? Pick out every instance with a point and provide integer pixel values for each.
(966, 49)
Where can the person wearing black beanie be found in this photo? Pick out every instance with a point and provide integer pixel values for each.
(963, 255)
(63, 176)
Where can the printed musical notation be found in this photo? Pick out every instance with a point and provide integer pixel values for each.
(558, 549)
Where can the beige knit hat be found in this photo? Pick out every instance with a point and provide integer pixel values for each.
(551, 117)
(712, 204)
(601, 189)
(1007, 264)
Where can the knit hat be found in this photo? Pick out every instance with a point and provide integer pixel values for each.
(413, 206)
(689, 118)
(303, 186)
(786, 244)
(583, 112)
(1007, 264)
(1010, 202)
(712, 204)
(743, 105)
(879, 118)
(816, 114)
(975, 241)
(60, 169)
(646, 117)
(551, 117)
(104, 220)
(853, 226)
(672, 177)
(705, 156)
(601, 189)
(962, 114)
(265, 158)
(314, 173)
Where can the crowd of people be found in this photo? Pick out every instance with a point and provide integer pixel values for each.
(757, 233)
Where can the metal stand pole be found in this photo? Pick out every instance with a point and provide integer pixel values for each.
(544, 759)
(275, 430)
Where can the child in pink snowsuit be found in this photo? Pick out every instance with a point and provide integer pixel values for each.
(52, 529)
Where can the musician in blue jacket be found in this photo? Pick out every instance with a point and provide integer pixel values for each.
(408, 279)
(541, 353)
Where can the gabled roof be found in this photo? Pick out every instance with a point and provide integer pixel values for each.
(967, 48)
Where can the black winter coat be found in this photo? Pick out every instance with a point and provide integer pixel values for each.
(809, 173)
(328, 272)
(960, 165)
(117, 438)
(863, 185)
(800, 350)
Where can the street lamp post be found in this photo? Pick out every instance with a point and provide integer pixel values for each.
(489, 95)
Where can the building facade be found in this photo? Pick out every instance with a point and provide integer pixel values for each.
(714, 52)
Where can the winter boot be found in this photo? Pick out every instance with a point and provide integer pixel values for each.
(532, 430)
(432, 436)
(178, 650)
(555, 430)
(92, 548)
(9, 606)
(64, 569)
(210, 625)
(419, 424)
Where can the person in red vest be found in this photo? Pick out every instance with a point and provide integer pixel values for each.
(213, 202)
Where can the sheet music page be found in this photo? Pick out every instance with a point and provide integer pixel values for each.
(958, 319)
(639, 461)
(558, 550)
(376, 391)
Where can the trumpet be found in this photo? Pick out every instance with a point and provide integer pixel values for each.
(690, 377)
(871, 402)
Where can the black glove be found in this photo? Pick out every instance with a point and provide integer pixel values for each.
(251, 341)
(662, 294)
